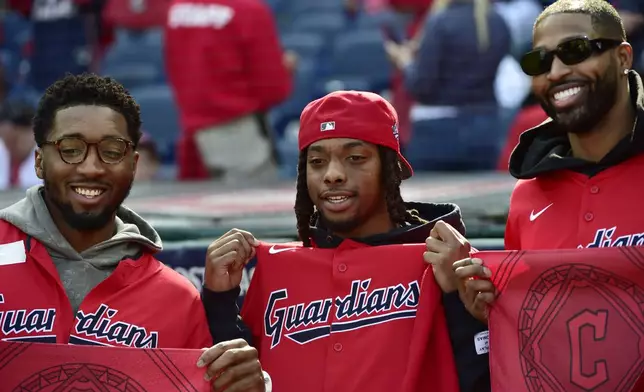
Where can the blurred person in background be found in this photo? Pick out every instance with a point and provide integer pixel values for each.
(68, 36)
(17, 145)
(149, 161)
(136, 14)
(226, 68)
(456, 122)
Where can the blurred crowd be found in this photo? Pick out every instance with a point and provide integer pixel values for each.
(221, 83)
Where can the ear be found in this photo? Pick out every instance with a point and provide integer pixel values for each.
(39, 163)
(625, 56)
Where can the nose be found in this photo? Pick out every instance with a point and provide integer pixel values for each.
(92, 166)
(558, 70)
(335, 173)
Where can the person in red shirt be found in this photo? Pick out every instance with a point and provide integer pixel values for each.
(76, 266)
(348, 195)
(227, 68)
(579, 171)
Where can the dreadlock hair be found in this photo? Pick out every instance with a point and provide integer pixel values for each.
(86, 89)
(391, 177)
(604, 17)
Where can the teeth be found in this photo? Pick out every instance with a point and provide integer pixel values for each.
(337, 199)
(567, 93)
(88, 192)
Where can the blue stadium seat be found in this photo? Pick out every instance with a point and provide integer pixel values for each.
(304, 84)
(360, 54)
(306, 45)
(160, 117)
(327, 24)
(16, 31)
(299, 7)
(136, 59)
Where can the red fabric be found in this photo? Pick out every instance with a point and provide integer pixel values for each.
(566, 209)
(527, 118)
(121, 14)
(298, 295)
(54, 367)
(226, 65)
(189, 162)
(126, 309)
(566, 320)
(351, 114)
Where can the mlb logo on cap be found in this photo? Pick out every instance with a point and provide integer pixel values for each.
(327, 126)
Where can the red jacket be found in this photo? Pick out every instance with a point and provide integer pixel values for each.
(142, 304)
(565, 209)
(224, 60)
(121, 13)
(348, 319)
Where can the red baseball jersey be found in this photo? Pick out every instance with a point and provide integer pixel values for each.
(142, 304)
(353, 318)
(567, 320)
(566, 209)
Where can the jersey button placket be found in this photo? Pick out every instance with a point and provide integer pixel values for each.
(342, 267)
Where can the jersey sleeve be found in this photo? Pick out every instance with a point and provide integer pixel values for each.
(198, 334)
(512, 238)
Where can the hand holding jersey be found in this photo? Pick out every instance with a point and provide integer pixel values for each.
(234, 366)
(226, 258)
(474, 286)
(445, 245)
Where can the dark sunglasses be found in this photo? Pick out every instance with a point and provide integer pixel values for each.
(570, 52)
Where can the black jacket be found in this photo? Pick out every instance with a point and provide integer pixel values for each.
(473, 369)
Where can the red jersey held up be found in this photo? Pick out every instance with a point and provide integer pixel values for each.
(349, 319)
(224, 60)
(142, 304)
(567, 320)
(566, 209)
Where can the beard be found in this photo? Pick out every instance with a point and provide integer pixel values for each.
(600, 99)
(337, 226)
(84, 221)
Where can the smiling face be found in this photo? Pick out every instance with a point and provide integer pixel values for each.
(576, 97)
(86, 195)
(343, 177)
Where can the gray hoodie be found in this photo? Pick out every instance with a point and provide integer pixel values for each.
(81, 272)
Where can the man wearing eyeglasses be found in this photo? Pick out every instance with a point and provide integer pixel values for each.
(580, 171)
(77, 267)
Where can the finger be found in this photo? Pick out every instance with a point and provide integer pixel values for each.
(249, 237)
(465, 262)
(254, 383)
(214, 352)
(228, 254)
(487, 298)
(445, 234)
(479, 285)
(233, 374)
(231, 357)
(436, 245)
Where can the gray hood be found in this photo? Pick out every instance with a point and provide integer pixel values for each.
(133, 233)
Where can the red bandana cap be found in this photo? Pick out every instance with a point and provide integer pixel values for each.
(359, 115)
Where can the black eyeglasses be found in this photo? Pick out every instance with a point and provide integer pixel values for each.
(73, 150)
(570, 52)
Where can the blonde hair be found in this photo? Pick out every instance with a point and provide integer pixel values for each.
(481, 10)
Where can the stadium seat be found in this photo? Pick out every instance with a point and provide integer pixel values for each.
(325, 23)
(306, 45)
(360, 54)
(136, 59)
(299, 7)
(304, 84)
(160, 117)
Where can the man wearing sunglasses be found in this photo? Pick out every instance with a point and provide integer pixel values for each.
(77, 267)
(580, 171)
